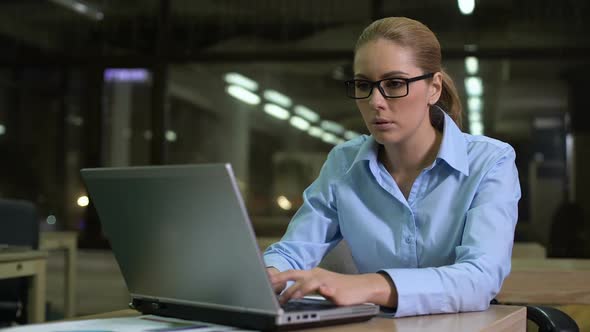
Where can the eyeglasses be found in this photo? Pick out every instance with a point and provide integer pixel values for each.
(389, 87)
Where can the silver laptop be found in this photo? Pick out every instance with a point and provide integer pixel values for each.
(186, 249)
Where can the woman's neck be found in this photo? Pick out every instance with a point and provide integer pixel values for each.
(413, 154)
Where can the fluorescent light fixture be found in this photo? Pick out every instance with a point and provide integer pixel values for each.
(471, 65)
(241, 80)
(242, 94)
(171, 136)
(476, 128)
(466, 6)
(330, 138)
(474, 86)
(315, 131)
(126, 75)
(81, 8)
(83, 201)
(349, 134)
(278, 98)
(306, 113)
(2, 129)
(299, 123)
(332, 126)
(474, 117)
(276, 111)
(284, 203)
(474, 104)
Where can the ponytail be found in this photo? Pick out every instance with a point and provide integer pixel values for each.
(449, 99)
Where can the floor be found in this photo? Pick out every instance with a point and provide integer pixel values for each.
(100, 286)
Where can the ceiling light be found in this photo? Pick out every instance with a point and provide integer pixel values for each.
(476, 128)
(466, 6)
(170, 136)
(2, 129)
(284, 203)
(349, 134)
(241, 80)
(330, 138)
(474, 104)
(332, 126)
(474, 86)
(471, 65)
(81, 7)
(306, 113)
(299, 123)
(276, 111)
(242, 94)
(278, 98)
(83, 201)
(475, 117)
(126, 75)
(315, 131)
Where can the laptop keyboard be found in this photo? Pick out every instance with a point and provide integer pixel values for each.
(307, 305)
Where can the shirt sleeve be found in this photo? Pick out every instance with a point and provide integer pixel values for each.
(313, 230)
(482, 259)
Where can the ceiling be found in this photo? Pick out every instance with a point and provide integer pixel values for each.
(303, 48)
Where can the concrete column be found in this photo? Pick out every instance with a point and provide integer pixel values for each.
(120, 125)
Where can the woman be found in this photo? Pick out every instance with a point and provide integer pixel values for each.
(428, 211)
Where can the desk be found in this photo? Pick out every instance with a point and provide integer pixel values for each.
(528, 250)
(497, 318)
(28, 263)
(547, 281)
(67, 241)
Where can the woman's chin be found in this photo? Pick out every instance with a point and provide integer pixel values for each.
(387, 138)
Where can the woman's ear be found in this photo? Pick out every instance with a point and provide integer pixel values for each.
(435, 89)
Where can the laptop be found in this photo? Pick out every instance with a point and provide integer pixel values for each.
(186, 249)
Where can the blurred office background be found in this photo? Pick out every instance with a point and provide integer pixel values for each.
(94, 83)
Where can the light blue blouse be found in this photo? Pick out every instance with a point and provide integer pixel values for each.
(447, 247)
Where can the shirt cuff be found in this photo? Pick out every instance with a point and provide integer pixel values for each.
(419, 292)
(276, 261)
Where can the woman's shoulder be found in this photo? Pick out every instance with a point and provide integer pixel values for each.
(485, 152)
(347, 153)
(486, 144)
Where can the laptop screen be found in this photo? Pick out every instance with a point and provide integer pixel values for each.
(182, 234)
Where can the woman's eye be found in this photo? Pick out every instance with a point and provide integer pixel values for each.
(362, 85)
(394, 84)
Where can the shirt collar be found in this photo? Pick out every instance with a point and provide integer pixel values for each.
(368, 151)
(453, 148)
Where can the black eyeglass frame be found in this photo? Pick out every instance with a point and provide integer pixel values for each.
(378, 84)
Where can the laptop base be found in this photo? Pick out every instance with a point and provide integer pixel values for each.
(246, 320)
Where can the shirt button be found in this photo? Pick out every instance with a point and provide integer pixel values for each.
(409, 240)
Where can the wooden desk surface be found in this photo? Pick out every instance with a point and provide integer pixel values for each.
(547, 281)
(10, 255)
(497, 318)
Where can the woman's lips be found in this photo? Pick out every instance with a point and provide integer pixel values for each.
(383, 124)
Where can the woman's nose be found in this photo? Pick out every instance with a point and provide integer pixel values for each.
(376, 98)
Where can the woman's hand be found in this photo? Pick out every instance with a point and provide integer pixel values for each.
(342, 289)
(277, 287)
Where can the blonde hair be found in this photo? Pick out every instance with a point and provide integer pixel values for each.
(427, 56)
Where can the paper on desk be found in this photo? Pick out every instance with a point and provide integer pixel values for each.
(147, 323)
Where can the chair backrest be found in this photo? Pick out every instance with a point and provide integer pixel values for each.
(19, 226)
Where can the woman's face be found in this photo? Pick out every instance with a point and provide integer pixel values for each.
(394, 120)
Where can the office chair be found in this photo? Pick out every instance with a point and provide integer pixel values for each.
(19, 226)
(548, 319)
